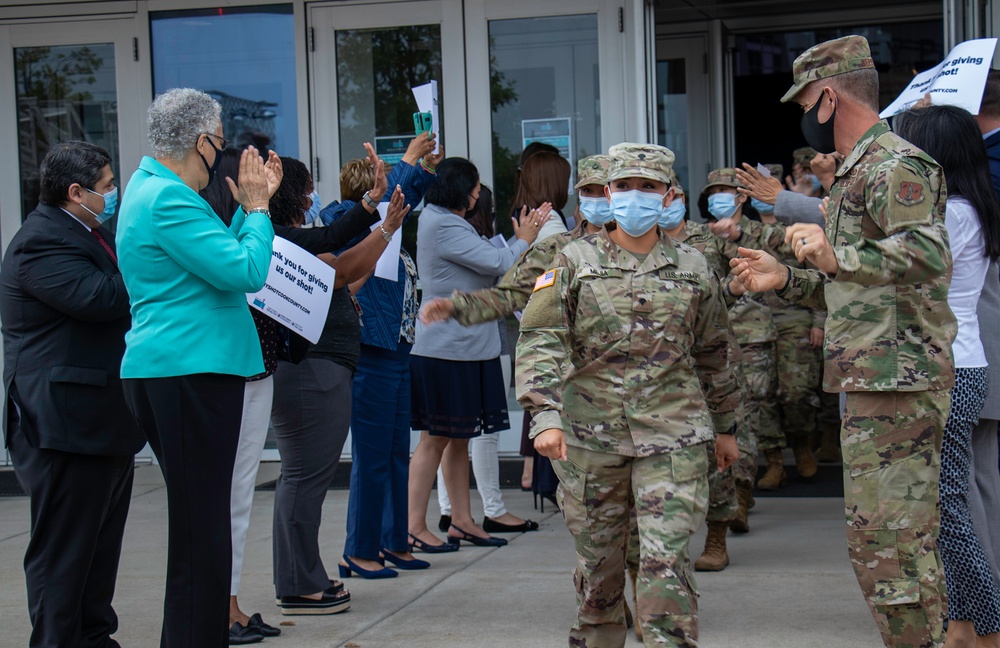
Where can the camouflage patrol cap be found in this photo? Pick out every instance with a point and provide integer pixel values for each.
(630, 160)
(722, 178)
(828, 59)
(676, 184)
(803, 156)
(777, 170)
(592, 169)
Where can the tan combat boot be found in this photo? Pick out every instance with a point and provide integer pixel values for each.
(805, 461)
(715, 556)
(741, 524)
(829, 446)
(775, 476)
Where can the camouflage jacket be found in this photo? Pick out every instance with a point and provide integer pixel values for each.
(749, 315)
(888, 326)
(513, 290)
(628, 357)
(770, 237)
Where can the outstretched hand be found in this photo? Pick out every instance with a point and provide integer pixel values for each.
(396, 211)
(757, 186)
(380, 186)
(439, 309)
(758, 271)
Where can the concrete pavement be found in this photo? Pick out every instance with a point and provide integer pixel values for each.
(790, 584)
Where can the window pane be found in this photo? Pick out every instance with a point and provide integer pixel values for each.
(766, 130)
(245, 58)
(63, 93)
(672, 106)
(375, 70)
(544, 85)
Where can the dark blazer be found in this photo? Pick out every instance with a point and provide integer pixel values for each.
(993, 153)
(65, 312)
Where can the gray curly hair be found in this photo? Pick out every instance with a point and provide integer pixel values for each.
(176, 119)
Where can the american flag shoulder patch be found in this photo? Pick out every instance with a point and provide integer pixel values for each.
(545, 280)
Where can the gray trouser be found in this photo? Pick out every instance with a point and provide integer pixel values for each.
(984, 491)
(311, 416)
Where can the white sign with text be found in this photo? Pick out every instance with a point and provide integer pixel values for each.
(298, 290)
(958, 80)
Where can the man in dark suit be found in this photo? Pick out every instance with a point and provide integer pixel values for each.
(65, 312)
(984, 487)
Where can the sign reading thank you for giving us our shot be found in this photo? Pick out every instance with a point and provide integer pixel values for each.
(958, 80)
(298, 290)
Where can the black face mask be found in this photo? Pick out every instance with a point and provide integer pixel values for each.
(215, 165)
(819, 135)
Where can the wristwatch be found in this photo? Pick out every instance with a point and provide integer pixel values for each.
(371, 202)
(386, 234)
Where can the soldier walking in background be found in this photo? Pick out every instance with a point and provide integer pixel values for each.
(888, 333)
(624, 365)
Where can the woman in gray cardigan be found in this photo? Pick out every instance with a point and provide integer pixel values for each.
(457, 383)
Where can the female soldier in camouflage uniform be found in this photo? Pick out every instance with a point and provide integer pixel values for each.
(624, 365)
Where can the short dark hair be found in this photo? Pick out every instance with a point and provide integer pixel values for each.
(860, 85)
(68, 163)
(536, 147)
(951, 136)
(481, 216)
(456, 178)
(217, 193)
(990, 105)
(286, 203)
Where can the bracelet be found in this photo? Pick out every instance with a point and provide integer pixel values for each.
(787, 280)
(371, 202)
(427, 168)
(258, 210)
(386, 234)
(727, 290)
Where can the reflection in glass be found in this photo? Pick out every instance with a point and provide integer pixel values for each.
(375, 70)
(245, 58)
(63, 93)
(672, 106)
(542, 69)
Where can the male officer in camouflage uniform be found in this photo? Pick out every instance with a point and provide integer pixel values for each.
(623, 363)
(888, 332)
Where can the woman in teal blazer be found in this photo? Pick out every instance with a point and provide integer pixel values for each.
(193, 342)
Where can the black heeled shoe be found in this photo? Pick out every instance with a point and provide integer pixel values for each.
(444, 523)
(546, 496)
(476, 540)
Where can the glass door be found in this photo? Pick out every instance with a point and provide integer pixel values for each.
(364, 61)
(681, 120)
(66, 81)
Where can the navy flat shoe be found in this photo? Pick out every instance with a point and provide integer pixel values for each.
(401, 563)
(476, 540)
(492, 526)
(345, 571)
(417, 543)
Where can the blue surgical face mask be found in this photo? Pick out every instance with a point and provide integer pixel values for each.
(636, 212)
(597, 211)
(110, 202)
(722, 205)
(761, 206)
(672, 215)
(312, 214)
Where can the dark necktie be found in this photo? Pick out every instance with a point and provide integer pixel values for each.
(104, 244)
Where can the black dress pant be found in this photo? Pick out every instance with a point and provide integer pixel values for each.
(79, 504)
(193, 425)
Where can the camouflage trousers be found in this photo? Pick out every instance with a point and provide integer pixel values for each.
(669, 494)
(891, 444)
(761, 383)
(761, 368)
(796, 403)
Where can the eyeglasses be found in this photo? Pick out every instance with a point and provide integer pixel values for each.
(225, 142)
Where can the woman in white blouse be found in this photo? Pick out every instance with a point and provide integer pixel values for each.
(950, 135)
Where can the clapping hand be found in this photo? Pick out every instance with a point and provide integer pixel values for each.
(726, 228)
(378, 190)
(530, 223)
(396, 211)
(253, 190)
(757, 186)
(274, 172)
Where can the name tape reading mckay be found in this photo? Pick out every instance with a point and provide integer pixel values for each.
(297, 291)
